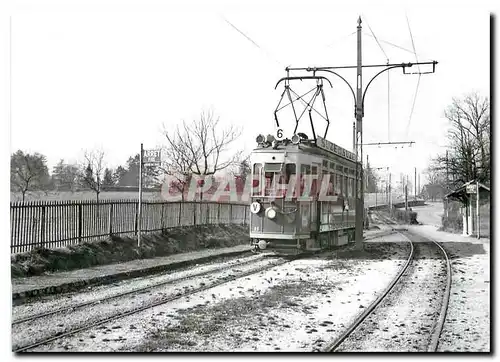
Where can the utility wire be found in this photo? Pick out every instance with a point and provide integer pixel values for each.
(418, 82)
(340, 39)
(373, 34)
(394, 45)
(251, 40)
(412, 42)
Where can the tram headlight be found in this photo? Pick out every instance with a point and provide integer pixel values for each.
(262, 244)
(295, 139)
(260, 138)
(271, 213)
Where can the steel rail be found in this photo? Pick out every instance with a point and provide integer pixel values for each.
(436, 334)
(438, 328)
(148, 306)
(330, 347)
(100, 300)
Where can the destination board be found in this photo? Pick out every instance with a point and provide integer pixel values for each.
(332, 147)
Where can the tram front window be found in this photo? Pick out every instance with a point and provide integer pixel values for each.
(272, 175)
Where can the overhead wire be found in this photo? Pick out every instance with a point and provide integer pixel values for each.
(374, 36)
(330, 45)
(388, 80)
(418, 81)
(250, 40)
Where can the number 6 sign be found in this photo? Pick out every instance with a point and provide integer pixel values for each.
(279, 134)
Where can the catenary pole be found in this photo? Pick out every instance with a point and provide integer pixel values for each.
(359, 145)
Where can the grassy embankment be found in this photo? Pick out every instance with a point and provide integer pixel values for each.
(119, 249)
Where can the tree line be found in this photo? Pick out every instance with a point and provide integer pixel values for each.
(201, 147)
(29, 172)
(467, 156)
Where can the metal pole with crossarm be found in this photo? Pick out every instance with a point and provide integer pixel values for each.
(359, 98)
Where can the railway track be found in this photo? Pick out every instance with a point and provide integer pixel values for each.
(416, 241)
(73, 329)
(72, 307)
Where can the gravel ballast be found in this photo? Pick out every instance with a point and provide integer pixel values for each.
(294, 307)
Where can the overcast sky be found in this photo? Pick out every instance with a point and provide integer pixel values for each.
(108, 77)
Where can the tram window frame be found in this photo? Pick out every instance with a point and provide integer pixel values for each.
(257, 190)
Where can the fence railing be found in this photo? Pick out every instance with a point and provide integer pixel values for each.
(53, 224)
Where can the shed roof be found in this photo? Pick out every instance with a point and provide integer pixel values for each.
(461, 194)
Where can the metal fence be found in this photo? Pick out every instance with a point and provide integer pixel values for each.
(53, 224)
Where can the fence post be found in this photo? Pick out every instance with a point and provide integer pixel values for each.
(162, 213)
(136, 217)
(194, 213)
(180, 214)
(80, 222)
(42, 227)
(110, 218)
(245, 215)
(230, 213)
(218, 213)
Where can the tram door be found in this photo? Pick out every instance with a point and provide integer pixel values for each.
(315, 185)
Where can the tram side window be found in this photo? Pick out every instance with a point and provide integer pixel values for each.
(256, 179)
(314, 186)
(331, 184)
(338, 184)
(305, 170)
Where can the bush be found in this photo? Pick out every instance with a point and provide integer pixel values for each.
(453, 222)
(405, 216)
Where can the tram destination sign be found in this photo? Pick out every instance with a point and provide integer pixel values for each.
(332, 147)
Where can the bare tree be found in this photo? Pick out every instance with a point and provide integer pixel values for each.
(469, 140)
(201, 147)
(28, 172)
(177, 164)
(92, 172)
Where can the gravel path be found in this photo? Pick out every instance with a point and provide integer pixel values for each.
(294, 307)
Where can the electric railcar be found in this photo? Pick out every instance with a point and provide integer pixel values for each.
(302, 197)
